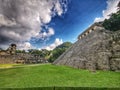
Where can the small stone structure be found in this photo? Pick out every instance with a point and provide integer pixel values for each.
(7, 56)
(90, 29)
(10, 51)
(96, 49)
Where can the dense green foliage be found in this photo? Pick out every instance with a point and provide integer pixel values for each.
(113, 23)
(43, 53)
(20, 51)
(47, 75)
(48, 55)
(59, 50)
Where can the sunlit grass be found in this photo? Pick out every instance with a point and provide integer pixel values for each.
(48, 75)
(8, 65)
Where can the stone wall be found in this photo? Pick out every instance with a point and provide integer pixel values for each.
(10, 56)
(7, 59)
(97, 50)
(21, 58)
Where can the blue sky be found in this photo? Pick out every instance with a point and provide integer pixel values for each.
(45, 24)
(80, 14)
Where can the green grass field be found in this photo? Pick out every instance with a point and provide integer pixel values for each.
(48, 75)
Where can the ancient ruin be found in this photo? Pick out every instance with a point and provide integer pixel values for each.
(10, 56)
(95, 49)
(10, 51)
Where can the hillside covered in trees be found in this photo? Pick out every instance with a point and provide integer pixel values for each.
(59, 51)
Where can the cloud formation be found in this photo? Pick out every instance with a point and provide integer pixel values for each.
(56, 43)
(46, 34)
(25, 46)
(111, 8)
(20, 20)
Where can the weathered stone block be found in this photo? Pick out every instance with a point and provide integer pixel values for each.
(93, 51)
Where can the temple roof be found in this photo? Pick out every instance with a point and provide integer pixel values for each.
(89, 28)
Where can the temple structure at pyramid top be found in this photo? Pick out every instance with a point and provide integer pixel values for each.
(95, 49)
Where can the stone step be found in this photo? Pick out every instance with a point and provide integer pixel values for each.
(116, 55)
(115, 59)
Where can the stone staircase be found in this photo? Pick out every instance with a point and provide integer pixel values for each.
(115, 60)
(99, 50)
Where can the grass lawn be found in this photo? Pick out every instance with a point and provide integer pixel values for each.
(2, 66)
(48, 75)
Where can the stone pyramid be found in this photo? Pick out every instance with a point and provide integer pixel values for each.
(95, 49)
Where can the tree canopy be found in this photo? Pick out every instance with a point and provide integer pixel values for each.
(113, 23)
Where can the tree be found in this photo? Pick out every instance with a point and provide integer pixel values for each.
(20, 51)
(59, 51)
(113, 23)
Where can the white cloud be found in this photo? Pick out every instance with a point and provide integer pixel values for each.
(6, 22)
(20, 20)
(111, 8)
(46, 34)
(24, 46)
(58, 8)
(51, 32)
(56, 43)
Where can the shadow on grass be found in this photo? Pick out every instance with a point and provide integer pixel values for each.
(61, 88)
